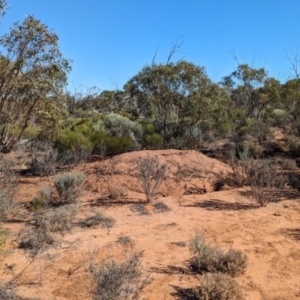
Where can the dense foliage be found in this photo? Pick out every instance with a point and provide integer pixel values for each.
(171, 105)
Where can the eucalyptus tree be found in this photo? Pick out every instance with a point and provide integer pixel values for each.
(33, 73)
(175, 96)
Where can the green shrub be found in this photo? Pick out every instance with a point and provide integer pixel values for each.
(37, 204)
(73, 146)
(68, 187)
(213, 259)
(259, 129)
(119, 126)
(31, 132)
(112, 145)
(218, 287)
(154, 141)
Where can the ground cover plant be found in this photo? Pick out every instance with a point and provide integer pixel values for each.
(119, 279)
(207, 258)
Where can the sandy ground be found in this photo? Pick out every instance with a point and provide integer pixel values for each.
(270, 236)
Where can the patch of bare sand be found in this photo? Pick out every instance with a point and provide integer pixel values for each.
(269, 236)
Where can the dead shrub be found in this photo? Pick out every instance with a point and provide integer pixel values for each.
(151, 175)
(213, 259)
(119, 280)
(35, 241)
(218, 286)
(56, 220)
(239, 168)
(117, 191)
(265, 180)
(97, 220)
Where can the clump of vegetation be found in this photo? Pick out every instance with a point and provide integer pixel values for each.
(124, 240)
(98, 220)
(8, 185)
(265, 179)
(73, 147)
(42, 158)
(68, 187)
(56, 220)
(161, 207)
(151, 175)
(288, 164)
(8, 294)
(117, 191)
(34, 241)
(218, 286)
(42, 199)
(213, 259)
(139, 208)
(119, 280)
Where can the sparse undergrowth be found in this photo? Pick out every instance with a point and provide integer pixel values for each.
(218, 286)
(151, 175)
(56, 220)
(97, 219)
(35, 241)
(212, 259)
(266, 179)
(119, 279)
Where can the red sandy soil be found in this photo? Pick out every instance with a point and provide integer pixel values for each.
(229, 218)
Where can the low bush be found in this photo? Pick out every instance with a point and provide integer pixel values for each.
(113, 145)
(35, 241)
(218, 286)
(42, 199)
(161, 207)
(265, 179)
(98, 220)
(213, 259)
(73, 147)
(124, 240)
(119, 280)
(56, 220)
(68, 187)
(42, 159)
(8, 294)
(153, 141)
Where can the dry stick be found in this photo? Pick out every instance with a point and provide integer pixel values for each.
(13, 280)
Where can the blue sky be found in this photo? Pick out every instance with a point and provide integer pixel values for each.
(110, 41)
